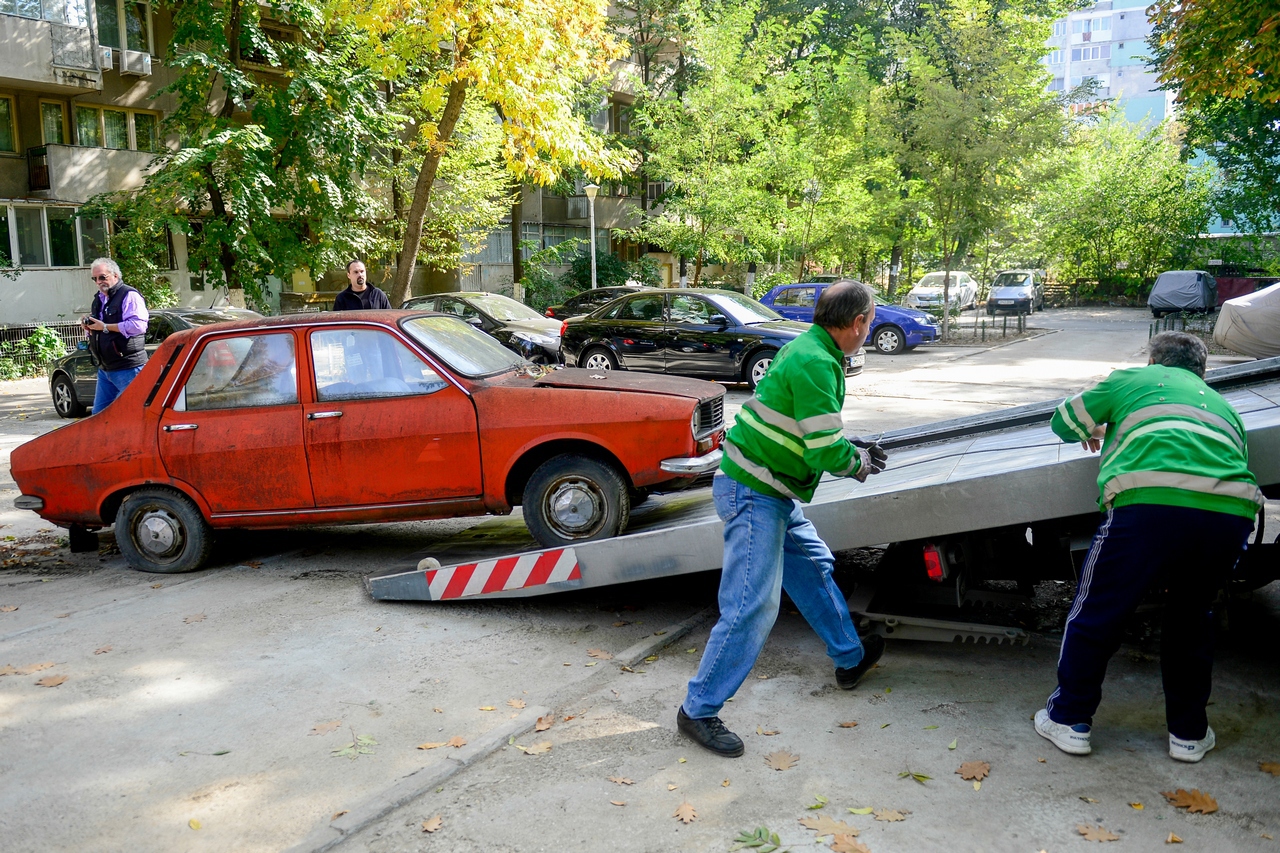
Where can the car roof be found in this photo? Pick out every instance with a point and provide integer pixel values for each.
(381, 317)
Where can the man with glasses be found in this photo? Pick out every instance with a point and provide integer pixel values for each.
(117, 328)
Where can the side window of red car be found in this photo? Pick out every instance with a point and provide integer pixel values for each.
(359, 364)
(242, 372)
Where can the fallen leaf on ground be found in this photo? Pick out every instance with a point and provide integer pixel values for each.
(34, 667)
(599, 654)
(324, 728)
(848, 724)
(362, 745)
(682, 760)
(63, 615)
(1096, 833)
(891, 815)
(953, 743)
(8, 608)
(193, 823)
(977, 784)
(8, 669)
(438, 710)
(1089, 799)
(51, 680)
(620, 624)
(781, 760)
(621, 780)
(848, 844)
(1193, 801)
(516, 703)
(867, 810)
(1041, 760)
(156, 585)
(194, 617)
(685, 813)
(919, 777)
(488, 708)
(432, 745)
(929, 728)
(974, 770)
(433, 824)
(456, 742)
(544, 723)
(766, 732)
(1272, 767)
(724, 784)
(885, 725)
(618, 802)
(671, 787)
(1136, 806)
(568, 717)
(827, 825)
(102, 651)
(538, 748)
(337, 815)
(1173, 839)
(819, 802)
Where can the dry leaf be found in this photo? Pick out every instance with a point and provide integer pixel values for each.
(433, 824)
(621, 780)
(685, 813)
(1173, 839)
(51, 680)
(671, 787)
(1096, 833)
(1192, 801)
(193, 823)
(487, 708)
(1089, 799)
(781, 760)
(891, 815)
(516, 703)
(156, 585)
(324, 728)
(1136, 806)
(102, 651)
(8, 608)
(456, 742)
(724, 784)
(977, 770)
(568, 717)
(62, 615)
(848, 724)
(620, 624)
(544, 723)
(848, 844)
(766, 732)
(827, 825)
(599, 654)
(1272, 767)
(195, 617)
(538, 748)
(34, 667)
(8, 669)
(618, 802)
(438, 710)
(337, 815)
(432, 745)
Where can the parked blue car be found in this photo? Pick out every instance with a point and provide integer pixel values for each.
(895, 330)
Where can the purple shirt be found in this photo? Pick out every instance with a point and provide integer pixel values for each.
(133, 314)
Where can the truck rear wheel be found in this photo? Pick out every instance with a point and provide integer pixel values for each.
(572, 499)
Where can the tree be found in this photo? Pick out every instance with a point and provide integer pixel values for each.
(1205, 49)
(525, 60)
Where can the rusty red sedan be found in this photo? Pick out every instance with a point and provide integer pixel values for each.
(362, 417)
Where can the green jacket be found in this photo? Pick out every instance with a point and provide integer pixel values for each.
(1170, 440)
(792, 431)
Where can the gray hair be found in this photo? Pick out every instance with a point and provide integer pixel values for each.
(111, 266)
(842, 302)
(1178, 349)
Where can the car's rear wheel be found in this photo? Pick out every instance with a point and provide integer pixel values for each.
(161, 530)
(758, 366)
(598, 358)
(65, 401)
(573, 498)
(889, 340)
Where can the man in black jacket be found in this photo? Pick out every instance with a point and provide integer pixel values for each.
(117, 328)
(359, 294)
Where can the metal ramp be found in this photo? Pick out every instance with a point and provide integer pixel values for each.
(974, 473)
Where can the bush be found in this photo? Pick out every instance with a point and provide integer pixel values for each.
(30, 356)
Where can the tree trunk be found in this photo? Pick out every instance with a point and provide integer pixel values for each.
(422, 192)
(895, 269)
(219, 208)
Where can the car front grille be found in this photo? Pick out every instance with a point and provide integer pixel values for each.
(710, 416)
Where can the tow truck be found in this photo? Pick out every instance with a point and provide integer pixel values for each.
(995, 496)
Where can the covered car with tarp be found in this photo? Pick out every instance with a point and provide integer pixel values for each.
(1250, 324)
(1183, 290)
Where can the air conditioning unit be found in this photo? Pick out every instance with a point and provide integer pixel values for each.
(106, 59)
(136, 63)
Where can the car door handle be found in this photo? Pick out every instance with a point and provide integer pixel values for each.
(180, 427)
(315, 416)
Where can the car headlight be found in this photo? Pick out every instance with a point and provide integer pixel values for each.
(534, 338)
(695, 421)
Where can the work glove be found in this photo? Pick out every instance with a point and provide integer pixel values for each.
(872, 458)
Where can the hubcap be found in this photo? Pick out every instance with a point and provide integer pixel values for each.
(598, 361)
(887, 340)
(759, 369)
(62, 397)
(576, 507)
(159, 533)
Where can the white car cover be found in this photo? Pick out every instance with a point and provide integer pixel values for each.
(1250, 324)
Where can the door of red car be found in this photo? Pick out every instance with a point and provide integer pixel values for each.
(385, 427)
(234, 433)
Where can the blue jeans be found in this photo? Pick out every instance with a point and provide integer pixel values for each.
(769, 546)
(110, 384)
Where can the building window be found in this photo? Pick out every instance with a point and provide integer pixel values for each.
(1056, 84)
(1091, 25)
(115, 128)
(124, 24)
(146, 132)
(93, 239)
(1086, 54)
(30, 228)
(53, 123)
(1059, 28)
(88, 128)
(62, 236)
(59, 11)
(6, 250)
(8, 131)
(101, 127)
(1055, 57)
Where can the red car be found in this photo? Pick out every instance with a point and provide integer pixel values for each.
(362, 417)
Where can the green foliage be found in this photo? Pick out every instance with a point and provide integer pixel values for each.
(1207, 50)
(762, 838)
(1230, 132)
(30, 356)
(611, 271)
(542, 288)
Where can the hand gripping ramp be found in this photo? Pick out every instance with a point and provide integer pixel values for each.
(976, 473)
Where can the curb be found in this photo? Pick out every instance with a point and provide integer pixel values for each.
(416, 784)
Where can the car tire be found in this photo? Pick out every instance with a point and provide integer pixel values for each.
(573, 498)
(598, 358)
(757, 366)
(65, 401)
(160, 530)
(889, 339)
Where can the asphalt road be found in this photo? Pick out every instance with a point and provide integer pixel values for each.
(211, 711)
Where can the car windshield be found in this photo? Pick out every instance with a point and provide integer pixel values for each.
(934, 279)
(503, 308)
(742, 309)
(457, 344)
(1012, 279)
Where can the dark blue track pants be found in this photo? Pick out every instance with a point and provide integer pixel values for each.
(1191, 552)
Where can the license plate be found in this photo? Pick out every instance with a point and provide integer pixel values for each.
(856, 360)
(1005, 302)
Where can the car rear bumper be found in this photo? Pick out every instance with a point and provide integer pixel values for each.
(692, 466)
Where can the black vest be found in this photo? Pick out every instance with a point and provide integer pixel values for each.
(113, 350)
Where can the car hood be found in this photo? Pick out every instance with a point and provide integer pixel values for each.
(1017, 291)
(548, 327)
(785, 328)
(897, 312)
(642, 383)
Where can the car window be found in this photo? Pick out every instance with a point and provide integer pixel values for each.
(640, 308)
(242, 372)
(461, 347)
(158, 328)
(743, 309)
(796, 297)
(691, 309)
(1011, 279)
(357, 364)
(458, 308)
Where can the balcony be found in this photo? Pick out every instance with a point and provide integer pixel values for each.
(611, 211)
(47, 56)
(72, 173)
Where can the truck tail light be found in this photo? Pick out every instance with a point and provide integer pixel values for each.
(934, 564)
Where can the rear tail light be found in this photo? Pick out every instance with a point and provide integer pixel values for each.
(564, 327)
(550, 313)
(934, 564)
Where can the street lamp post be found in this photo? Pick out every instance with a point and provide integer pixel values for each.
(591, 190)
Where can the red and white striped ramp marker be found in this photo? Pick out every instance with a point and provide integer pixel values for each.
(544, 567)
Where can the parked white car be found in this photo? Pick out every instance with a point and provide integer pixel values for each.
(927, 294)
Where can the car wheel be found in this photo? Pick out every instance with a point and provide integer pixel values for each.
(572, 499)
(65, 401)
(758, 366)
(161, 530)
(598, 358)
(889, 340)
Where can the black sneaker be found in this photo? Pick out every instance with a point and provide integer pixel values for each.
(873, 648)
(710, 733)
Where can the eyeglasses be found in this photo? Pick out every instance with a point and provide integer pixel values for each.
(106, 277)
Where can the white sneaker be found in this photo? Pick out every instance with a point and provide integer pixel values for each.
(1072, 739)
(1191, 750)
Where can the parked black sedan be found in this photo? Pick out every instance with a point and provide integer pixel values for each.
(713, 334)
(73, 379)
(589, 300)
(515, 325)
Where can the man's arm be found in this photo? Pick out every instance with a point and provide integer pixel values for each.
(817, 411)
(133, 316)
(1084, 417)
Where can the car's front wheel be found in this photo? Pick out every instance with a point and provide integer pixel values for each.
(573, 498)
(161, 530)
(598, 358)
(757, 367)
(65, 401)
(889, 340)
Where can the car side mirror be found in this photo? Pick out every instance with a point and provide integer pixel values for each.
(83, 345)
(476, 321)
(718, 320)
